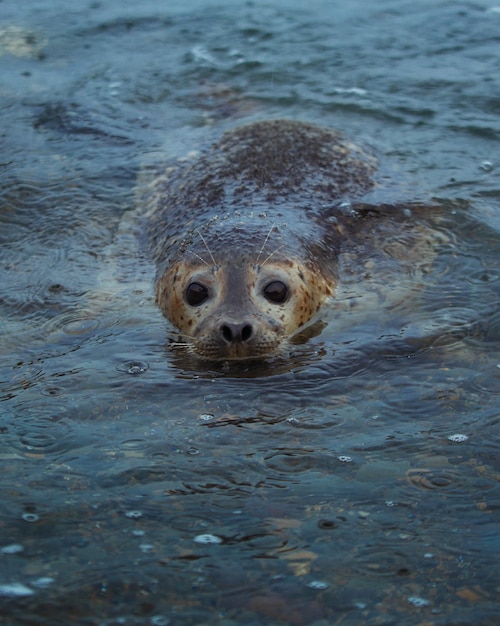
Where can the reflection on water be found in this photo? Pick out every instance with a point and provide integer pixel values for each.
(355, 481)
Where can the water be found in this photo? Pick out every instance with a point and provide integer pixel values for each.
(356, 483)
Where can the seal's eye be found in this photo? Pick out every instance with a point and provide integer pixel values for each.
(196, 294)
(276, 292)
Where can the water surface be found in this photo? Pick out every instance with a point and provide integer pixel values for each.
(356, 483)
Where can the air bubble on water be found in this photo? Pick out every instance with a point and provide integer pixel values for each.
(43, 582)
(133, 514)
(391, 503)
(138, 533)
(192, 451)
(418, 602)
(486, 166)
(207, 538)
(458, 438)
(146, 547)
(15, 590)
(317, 584)
(30, 517)
(428, 555)
(345, 459)
(206, 417)
(14, 548)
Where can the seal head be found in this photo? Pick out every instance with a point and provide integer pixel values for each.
(245, 253)
(241, 307)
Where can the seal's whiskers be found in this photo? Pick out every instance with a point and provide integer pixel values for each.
(206, 246)
(200, 258)
(272, 254)
(265, 243)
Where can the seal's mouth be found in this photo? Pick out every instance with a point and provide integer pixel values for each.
(237, 350)
(286, 358)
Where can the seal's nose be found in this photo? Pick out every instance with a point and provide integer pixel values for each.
(236, 333)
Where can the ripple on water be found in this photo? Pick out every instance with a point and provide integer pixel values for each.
(490, 330)
(134, 444)
(442, 327)
(383, 561)
(53, 391)
(290, 460)
(315, 419)
(436, 479)
(77, 323)
(483, 276)
(132, 367)
(264, 541)
(488, 381)
(23, 378)
(411, 397)
(199, 524)
(44, 436)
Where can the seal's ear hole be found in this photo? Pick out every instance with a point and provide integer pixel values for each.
(276, 292)
(196, 294)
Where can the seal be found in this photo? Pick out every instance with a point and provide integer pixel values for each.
(246, 234)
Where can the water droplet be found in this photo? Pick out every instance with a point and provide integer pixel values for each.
(418, 602)
(30, 517)
(146, 547)
(133, 367)
(207, 538)
(43, 582)
(14, 548)
(458, 438)
(486, 166)
(56, 288)
(133, 444)
(317, 584)
(133, 514)
(159, 620)
(327, 524)
(15, 590)
(53, 391)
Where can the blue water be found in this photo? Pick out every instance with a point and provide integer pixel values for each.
(356, 483)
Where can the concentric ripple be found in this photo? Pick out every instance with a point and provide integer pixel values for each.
(438, 479)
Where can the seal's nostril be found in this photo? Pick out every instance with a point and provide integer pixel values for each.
(233, 333)
(226, 332)
(246, 332)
